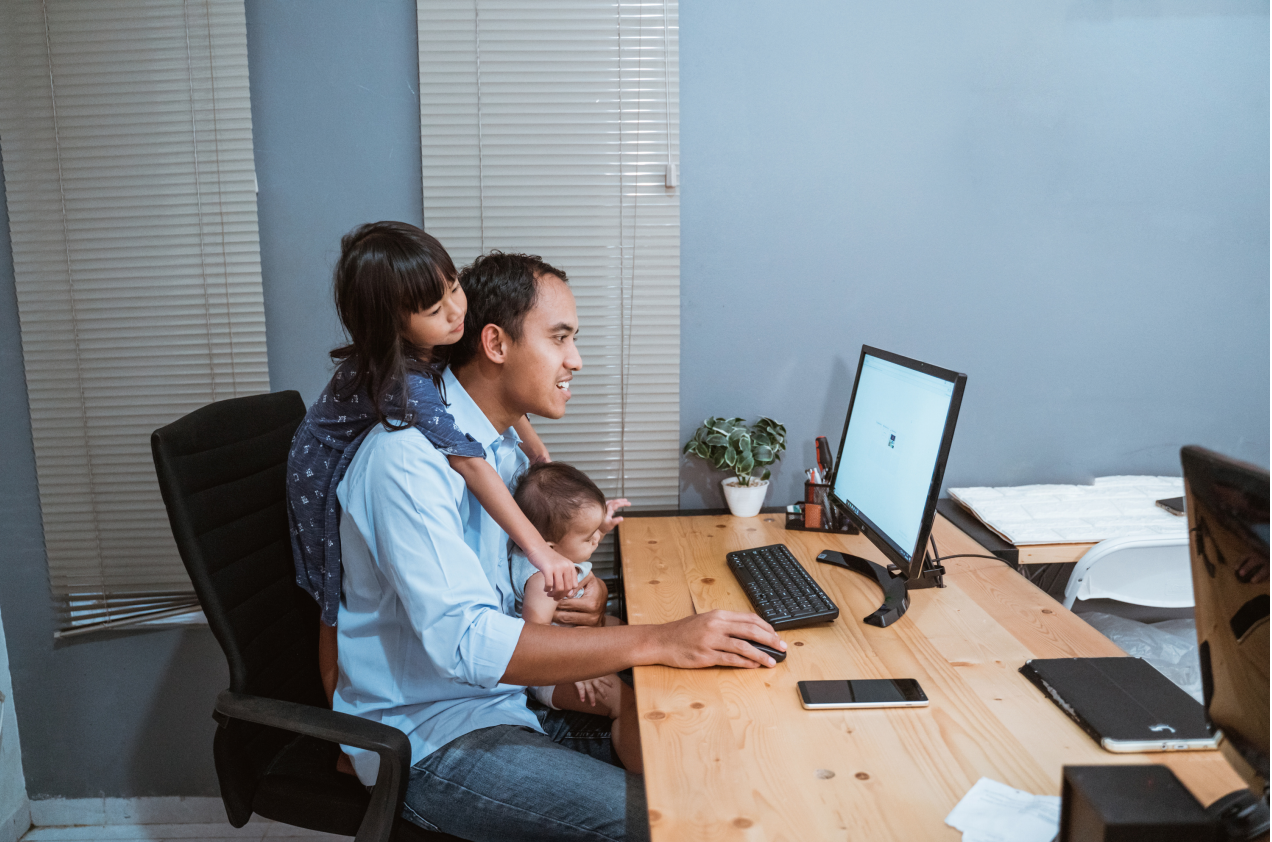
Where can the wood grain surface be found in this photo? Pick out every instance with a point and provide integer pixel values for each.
(731, 754)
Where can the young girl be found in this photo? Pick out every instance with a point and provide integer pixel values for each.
(568, 509)
(399, 300)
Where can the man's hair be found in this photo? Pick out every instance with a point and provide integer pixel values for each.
(501, 289)
(551, 494)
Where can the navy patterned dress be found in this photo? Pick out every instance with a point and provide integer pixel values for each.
(321, 451)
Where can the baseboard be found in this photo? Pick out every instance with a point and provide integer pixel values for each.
(61, 812)
(13, 827)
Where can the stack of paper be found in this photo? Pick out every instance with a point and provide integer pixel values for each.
(1114, 507)
(994, 812)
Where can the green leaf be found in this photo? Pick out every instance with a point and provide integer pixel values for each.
(746, 466)
(717, 440)
(730, 457)
(763, 455)
(767, 474)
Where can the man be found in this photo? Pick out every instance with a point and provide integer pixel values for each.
(429, 641)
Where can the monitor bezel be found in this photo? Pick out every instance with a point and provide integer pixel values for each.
(913, 566)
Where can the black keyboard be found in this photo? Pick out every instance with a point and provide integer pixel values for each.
(779, 588)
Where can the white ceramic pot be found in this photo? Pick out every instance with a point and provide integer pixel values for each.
(744, 500)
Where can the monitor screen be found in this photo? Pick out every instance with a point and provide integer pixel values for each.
(892, 455)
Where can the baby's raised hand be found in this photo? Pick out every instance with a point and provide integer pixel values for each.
(611, 520)
(560, 576)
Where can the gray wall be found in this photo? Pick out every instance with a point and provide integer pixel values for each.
(1072, 208)
(1066, 201)
(336, 124)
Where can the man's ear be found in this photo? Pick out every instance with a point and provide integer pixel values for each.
(494, 343)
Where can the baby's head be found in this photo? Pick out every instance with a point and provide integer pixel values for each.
(565, 506)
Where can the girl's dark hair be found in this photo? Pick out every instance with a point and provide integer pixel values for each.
(550, 494)
(386, 272)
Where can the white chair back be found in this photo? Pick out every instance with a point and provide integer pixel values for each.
(1151, 571)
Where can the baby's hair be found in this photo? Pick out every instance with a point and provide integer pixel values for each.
(550, 494)
(387, 271)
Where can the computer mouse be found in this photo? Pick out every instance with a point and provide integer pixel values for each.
(776, 654)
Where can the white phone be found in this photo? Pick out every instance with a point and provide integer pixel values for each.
(862, 693)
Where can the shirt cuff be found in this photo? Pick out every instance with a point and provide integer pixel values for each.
(491, 642)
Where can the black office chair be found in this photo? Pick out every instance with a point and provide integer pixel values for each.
(222, 474)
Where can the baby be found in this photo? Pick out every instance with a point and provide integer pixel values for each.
(571, 514)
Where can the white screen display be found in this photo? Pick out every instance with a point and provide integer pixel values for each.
(890, 447)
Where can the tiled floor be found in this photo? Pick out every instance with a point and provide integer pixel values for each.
(256, 829)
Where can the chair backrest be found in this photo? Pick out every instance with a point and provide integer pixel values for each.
(222, 472)
(1151, 571)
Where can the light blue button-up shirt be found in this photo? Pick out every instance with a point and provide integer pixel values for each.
(427, 624)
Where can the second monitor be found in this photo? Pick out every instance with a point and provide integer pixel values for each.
(889, 469)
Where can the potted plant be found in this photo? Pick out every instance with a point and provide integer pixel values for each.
(729, 444)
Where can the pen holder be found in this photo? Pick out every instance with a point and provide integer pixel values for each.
(815, 504)
(815, 513)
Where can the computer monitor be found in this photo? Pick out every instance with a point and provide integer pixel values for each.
(891, 461)
(1227, 508)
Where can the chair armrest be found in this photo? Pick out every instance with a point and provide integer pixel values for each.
(388, 742)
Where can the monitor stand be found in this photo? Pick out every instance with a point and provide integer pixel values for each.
(895, 585)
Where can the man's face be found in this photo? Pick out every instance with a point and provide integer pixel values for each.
(539, 366)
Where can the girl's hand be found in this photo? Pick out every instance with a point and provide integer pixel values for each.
(560, 576)
(611, 521)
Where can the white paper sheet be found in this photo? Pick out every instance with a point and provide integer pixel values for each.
(1112, 507)
(995, 812)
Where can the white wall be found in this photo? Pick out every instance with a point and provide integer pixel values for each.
(15, 812)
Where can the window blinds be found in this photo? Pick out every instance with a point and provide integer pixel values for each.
(126, 135)
(550, 128)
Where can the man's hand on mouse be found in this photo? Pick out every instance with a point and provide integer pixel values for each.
(716, 638)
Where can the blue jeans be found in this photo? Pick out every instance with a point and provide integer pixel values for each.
(508, 783)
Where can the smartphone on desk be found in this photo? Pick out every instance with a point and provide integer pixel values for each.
(862, 693)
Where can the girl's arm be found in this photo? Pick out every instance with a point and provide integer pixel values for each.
(531, 444)
(559, 574)
(537, 607)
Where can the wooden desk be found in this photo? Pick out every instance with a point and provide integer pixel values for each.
(731, 754)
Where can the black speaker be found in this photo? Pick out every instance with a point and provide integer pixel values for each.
(1130, 804)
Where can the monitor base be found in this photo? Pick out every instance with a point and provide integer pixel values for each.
(895, 598)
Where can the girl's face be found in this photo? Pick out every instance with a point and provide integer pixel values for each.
(441, 324)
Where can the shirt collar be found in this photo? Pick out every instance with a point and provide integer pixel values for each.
(468, 415)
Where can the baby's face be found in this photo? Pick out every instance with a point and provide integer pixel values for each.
(580, 540)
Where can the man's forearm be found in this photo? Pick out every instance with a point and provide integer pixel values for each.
(557, 655)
